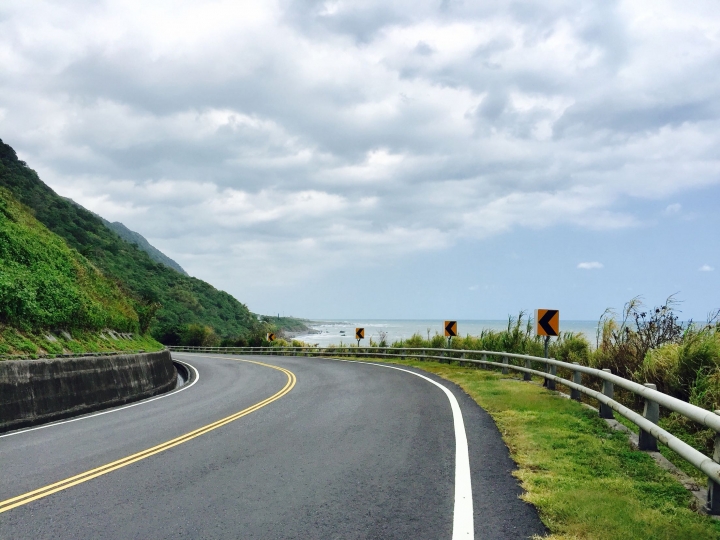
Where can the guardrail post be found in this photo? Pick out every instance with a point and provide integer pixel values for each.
(651, 412)
(484, 359)
(505, 363)
(577, 379)
(528, 365)
(552, 370)
(713, 494)
(609, 391)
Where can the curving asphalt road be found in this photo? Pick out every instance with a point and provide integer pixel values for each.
(268, 448)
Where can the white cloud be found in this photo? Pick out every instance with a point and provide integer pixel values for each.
(287, 129)
(594, 265)
(673, 209)
(706, 268)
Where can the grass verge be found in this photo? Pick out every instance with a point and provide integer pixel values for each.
(583, 477)
(15, 344)
(687, 436)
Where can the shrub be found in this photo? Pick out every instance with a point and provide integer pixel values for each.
(438, 342)
(199, 335)
(623, 343)
(168, 334)
(571, 347)
(699, 358)
(705, 391)
(661, 367)
(415, 341)
(146, 311)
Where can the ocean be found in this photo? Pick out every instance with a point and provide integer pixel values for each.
(335, 332)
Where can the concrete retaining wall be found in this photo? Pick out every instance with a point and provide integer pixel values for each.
(37, 391)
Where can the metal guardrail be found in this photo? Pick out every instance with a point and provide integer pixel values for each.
(650, 432)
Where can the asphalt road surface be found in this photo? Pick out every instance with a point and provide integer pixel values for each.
(270, 448)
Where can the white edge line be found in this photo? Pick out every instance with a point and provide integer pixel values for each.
(463, 521)
(141, 402)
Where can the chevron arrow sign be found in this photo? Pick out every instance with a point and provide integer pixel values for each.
(450, 328)
(547, 322)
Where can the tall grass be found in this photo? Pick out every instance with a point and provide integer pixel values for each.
(518, 338)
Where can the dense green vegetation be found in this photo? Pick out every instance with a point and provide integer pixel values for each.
(46, 284)
(52, 299)
(167, 302)
(136, 238)
(584, 478)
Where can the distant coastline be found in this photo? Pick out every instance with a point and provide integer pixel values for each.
(328, 332)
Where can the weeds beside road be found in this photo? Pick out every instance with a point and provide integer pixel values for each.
(16, 344)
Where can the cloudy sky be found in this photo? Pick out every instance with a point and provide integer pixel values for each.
(389, 158)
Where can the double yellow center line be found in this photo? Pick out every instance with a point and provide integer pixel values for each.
(30, 496)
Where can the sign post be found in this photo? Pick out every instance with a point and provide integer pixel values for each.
(450, 330)
(547, 323)
(359, 334)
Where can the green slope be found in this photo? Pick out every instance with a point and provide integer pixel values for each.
(44, 284)
(185, 300)
(136, 238)
(133, 237)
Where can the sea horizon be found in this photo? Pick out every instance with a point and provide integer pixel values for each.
(342, 331)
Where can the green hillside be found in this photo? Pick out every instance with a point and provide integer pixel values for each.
(177, 301)
(53, 300)
(46, 285)
(136, 238)
(133, 237)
